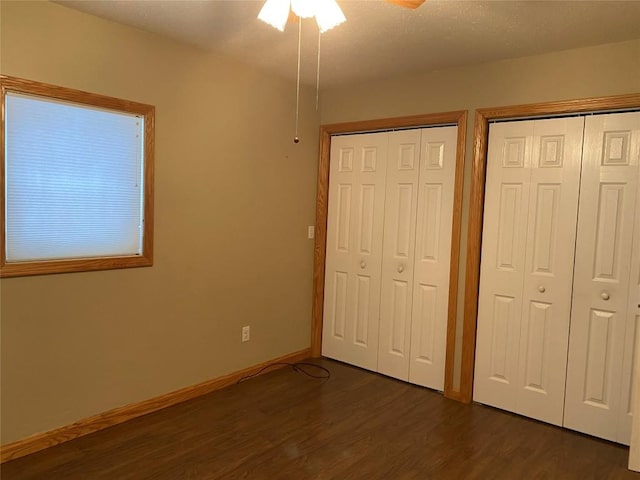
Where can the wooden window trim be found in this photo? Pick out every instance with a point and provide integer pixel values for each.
(476, 204)
(459, 118)
(19, 85)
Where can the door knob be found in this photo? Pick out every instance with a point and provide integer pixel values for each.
(541, 289)
(604, 296)
(363, 264)
(400, 268)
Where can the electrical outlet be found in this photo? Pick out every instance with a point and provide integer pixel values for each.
(311, 231)
(246, 333)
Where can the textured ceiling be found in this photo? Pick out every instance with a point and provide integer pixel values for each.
(380, 40)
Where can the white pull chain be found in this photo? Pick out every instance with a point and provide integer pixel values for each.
(318, 71)
(296, 139)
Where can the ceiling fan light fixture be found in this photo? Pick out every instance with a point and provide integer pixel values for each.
(305, 8)
(328, 15)
(275, 13)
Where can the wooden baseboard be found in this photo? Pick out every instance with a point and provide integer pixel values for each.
(118, 415)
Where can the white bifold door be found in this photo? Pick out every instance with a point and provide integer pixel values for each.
(388, 252)
(354, 248)
(559, 275)
(606, 292)
(531, 204)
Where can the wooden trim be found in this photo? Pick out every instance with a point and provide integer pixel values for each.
(449, 387)
(393, 123)
(455, 395)
(598, 104)
(319, 251)
(3, 192)
(474, 238)
(29, 87)
(107, 419)
(476, 204)
(458, 118)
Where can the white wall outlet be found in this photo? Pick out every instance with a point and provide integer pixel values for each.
(246, 333)
(311, 231)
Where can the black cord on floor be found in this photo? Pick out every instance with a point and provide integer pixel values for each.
(299, 367)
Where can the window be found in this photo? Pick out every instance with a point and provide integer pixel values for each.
(77, 180)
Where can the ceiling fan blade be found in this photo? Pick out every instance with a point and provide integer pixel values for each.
(412, 4)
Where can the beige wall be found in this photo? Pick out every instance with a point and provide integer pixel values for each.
(233, 198)
(603, 70)
(610, 69)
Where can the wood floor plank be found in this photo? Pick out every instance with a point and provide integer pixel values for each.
(355, 425)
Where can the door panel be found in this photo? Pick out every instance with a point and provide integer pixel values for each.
(602, 313)
(424, 323)
(531, 202)
(536, 369)
(432, 256)
(389, 229)
(367, 217)
(363, 295)
(354, 248)
(399, 317)
(502, 264)
(339, 304)
(504, 314)
(633, 321)
(398, 253)
(630, 353)
(597, 371)
(548, 277)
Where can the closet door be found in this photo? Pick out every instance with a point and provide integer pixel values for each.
(633, 319)
(533, 173)
(548, 272)
(603, 323)
(504, 235)
(354, 248)
(385, 308)
(433, 256)
(398, 253)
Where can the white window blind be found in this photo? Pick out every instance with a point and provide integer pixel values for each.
(74, 180)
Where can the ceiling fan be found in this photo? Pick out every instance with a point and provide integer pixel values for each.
(327, 13)
(412, 4)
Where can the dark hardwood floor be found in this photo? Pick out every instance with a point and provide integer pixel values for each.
(356, 425)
